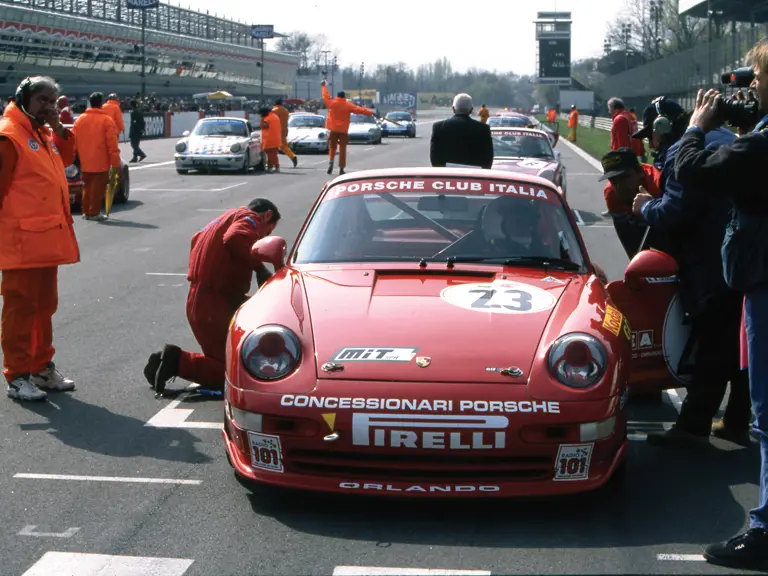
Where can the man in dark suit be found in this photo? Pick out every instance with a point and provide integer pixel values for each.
(461, 139)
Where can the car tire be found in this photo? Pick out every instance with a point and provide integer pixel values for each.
(182, 171)
(262, 165)
(124, 192)
(246, 164)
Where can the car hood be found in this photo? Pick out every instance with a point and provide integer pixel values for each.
(361, 127)
(305, 133)
(453, 322)
(212, 144)
(530, 166)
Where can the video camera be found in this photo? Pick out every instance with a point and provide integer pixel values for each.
(739, 113)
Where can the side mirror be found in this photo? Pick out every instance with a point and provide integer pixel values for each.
(185, 133)
(270, 250)
(557, 155)
(650, 266)
(255, 134)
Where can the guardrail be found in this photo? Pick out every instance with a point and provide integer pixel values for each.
(598, 122)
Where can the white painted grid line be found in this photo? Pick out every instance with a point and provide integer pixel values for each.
(174, 417)
(675, 399)
(589, 159)
(166, 273)
(30, 531)
(579, 219)
(69, 563)
(145, 166)
(189, 189)
(122, 479)
(681, 557)
(387, 571)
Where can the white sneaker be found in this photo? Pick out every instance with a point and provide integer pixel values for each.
(24, 389)
(52, 379)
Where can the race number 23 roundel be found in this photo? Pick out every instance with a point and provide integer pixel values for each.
(499, 297)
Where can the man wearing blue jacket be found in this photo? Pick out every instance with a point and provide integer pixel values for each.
(694, 221)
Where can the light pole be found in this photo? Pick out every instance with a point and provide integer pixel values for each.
(143, 6)
(360, 81)
(657, 12)
(262, 32)
(333, 74)
(626, 32)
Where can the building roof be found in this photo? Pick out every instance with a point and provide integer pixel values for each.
(732, 10)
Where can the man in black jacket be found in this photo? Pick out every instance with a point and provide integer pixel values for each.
(738, 172)
(461, 139)
(136, 131)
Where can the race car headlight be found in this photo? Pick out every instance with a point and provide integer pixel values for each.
(236, 147)
(547, 175)
(181, 146)
(322, 136)
(270, 352)
(72, 171)
(577, 360)
(372, 131)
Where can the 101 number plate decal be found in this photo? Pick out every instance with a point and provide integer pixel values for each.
(266, 453)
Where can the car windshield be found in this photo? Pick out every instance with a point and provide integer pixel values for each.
(306, 122)
(362, 119)
(508, 121)
(220, 127)
(522, 145)
(399, 116)
(500, 222)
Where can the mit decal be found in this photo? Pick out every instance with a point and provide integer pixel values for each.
(391, 354)
(499, 298)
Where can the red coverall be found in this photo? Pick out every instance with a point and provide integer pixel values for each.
(220, 271)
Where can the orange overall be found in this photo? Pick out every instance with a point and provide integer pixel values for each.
(271, 138)
(36, 234)
(98, 152)
(339, 111)
(283, 114)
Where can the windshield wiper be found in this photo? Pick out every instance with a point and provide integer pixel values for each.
(517, 261)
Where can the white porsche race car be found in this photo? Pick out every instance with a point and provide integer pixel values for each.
(307, 132)
(224, 143)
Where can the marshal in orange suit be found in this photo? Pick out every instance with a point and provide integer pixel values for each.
(37, 235)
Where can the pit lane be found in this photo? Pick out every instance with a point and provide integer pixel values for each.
(116, 486)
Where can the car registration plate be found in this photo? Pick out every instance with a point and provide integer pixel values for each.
(266, 453)
(204, 162)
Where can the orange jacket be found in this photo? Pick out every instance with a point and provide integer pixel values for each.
(573, 119)
(339, 110)
(96, 136)
(36, 226)
(283, 114)
(551, 115)
(112, 108)
(484, 114)
(271, 132)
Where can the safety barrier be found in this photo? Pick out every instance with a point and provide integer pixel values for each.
(598, 122)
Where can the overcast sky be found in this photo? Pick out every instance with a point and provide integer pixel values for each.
(491, 34)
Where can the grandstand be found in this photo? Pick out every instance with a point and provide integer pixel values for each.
(92, 45)
(681, 75)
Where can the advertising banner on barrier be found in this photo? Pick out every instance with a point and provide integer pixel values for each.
(431, 100)
(400, 99)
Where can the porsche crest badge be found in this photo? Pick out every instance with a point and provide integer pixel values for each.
(423, 361)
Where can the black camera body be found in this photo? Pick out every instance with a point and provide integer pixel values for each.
(739, 113)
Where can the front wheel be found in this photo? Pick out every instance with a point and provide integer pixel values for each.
(123, 191)
(246, 163)
(182, 171)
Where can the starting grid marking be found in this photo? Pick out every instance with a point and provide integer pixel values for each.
(386, 571)
(174, 417)
(69, 563)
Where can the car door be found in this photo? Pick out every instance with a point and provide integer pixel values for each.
(648, 296)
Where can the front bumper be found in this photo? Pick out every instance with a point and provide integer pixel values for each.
(470, 452)
(361, 137)
(396, 131)
(309, 145)
(209, 161)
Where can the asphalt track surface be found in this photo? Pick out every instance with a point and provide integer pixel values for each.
(90, 476)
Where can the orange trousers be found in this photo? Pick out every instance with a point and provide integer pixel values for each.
(273, 160)
(340, 138)
(94, 191)
(285, 149)
(30, 299)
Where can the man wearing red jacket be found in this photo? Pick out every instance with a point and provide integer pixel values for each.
(220, 271)
(622, 128)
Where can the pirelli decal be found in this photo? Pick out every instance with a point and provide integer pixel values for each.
(613, 320)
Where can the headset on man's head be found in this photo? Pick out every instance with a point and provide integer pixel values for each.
(663, 124)
(22, 92)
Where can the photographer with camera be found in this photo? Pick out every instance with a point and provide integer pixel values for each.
(693, 221)
(736, 171)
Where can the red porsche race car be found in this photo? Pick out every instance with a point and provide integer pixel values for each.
(528, 151)
(439, 332)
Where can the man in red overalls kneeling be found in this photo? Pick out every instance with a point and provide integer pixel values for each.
(220, 271)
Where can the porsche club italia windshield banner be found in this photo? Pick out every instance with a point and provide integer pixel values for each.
(444, 185)
(518, 133)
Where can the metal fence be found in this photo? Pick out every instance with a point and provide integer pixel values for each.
(681, 75)
(598, 122)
